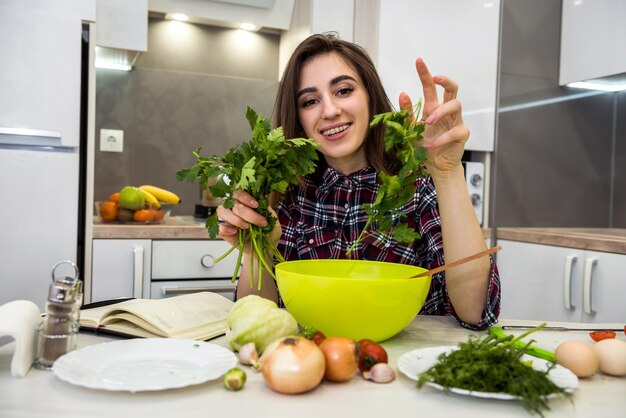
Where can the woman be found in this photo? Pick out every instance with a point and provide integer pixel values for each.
(329, 92)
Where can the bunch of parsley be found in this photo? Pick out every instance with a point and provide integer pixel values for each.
(266, 164)
(495, 365)
(402, 134)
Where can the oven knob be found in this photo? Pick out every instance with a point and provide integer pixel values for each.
(476, 179)
(207, 261)
(475, 197)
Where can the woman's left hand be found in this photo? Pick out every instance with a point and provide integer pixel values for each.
(445, 134)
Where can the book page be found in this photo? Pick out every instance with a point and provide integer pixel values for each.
(179, 315)
(92, 317)
(127, 329)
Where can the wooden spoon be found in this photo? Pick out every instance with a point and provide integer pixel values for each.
(458, 262)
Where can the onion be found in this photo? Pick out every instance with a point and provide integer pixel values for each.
(292, 365)
(342, 358)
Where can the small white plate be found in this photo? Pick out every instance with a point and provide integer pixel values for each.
(144, 364)
(417, 361)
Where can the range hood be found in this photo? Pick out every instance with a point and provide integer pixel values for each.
(593, 44)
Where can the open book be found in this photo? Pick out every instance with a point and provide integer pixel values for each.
(197, 316)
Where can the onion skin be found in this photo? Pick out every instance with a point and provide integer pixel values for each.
(292, 365)
(342, 358)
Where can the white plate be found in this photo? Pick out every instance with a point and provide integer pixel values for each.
(417, 361)
(144, 364)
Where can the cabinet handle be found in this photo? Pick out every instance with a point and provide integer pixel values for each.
(567, 282)
(137, 272)
(588, 275)
(165, 291)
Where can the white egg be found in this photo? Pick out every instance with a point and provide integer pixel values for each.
(612, 356)
(578, 357)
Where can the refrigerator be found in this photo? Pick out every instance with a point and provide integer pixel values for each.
(45, 52)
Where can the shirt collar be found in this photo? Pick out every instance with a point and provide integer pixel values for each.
(330, 177)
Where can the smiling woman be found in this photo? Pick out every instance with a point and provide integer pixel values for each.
(330, 91)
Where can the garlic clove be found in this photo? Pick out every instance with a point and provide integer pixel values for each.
(248, 355)
(380, 373)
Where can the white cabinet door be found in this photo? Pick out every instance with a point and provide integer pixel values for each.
(456, 38)
(40, 72)
(604, 287)
(120, 268)
(548, 283)
(533, 279)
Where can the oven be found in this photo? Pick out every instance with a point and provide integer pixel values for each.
(187, 266)
(475, 180)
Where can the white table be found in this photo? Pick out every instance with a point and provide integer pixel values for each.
(40, 394)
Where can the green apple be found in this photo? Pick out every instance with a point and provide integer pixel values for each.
(131, 198)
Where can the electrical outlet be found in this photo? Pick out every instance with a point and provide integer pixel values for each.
(111, 140)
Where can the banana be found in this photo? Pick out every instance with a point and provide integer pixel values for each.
(162, 195)
(150, 199)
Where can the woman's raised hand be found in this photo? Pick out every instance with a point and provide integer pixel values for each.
(241, 216)
(445, 134)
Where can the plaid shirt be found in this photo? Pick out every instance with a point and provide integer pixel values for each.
(324, 217)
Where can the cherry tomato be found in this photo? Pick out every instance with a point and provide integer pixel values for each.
(601, 335)
(318, 338)
(371, 353)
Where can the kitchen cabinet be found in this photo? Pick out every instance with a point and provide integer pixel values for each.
(41, 69)
(154, 268)
(457, 38)
(551, 283)
(598, 50)
(120, 267)
(122, 24)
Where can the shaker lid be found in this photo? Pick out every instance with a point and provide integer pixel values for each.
(61, 292)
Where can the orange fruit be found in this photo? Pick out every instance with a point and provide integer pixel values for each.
(157, 215)
(142, 215)
(108, 211)
(115, 197)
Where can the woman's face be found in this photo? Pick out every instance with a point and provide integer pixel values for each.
(333, 110)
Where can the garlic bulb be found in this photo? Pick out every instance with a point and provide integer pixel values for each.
(380, 373)
(248, 355)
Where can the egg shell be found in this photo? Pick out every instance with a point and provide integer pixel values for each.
(578, 357)
(612, 356)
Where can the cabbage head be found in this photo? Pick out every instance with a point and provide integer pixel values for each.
(258, 320)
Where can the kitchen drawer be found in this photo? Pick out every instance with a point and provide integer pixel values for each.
(166, 289)
(191, 259)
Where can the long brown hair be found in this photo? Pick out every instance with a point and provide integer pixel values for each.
(285, 112)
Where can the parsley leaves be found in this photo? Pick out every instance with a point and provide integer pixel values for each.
(267, 163)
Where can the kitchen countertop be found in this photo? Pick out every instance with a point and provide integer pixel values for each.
(175, 227)
(41, 394)
(611, 240)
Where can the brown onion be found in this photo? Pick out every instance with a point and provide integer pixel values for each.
(342, 358)
(292, 365)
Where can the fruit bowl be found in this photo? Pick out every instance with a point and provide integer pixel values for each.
(145, 215)
(352, 298)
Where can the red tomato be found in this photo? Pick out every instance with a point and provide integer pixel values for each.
(318, 338)
(371, 353)
(601, 335)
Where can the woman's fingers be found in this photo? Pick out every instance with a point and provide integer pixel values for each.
(450, 109)
(428, 86)
(459, 133)
(406, 103)
(450, 86)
